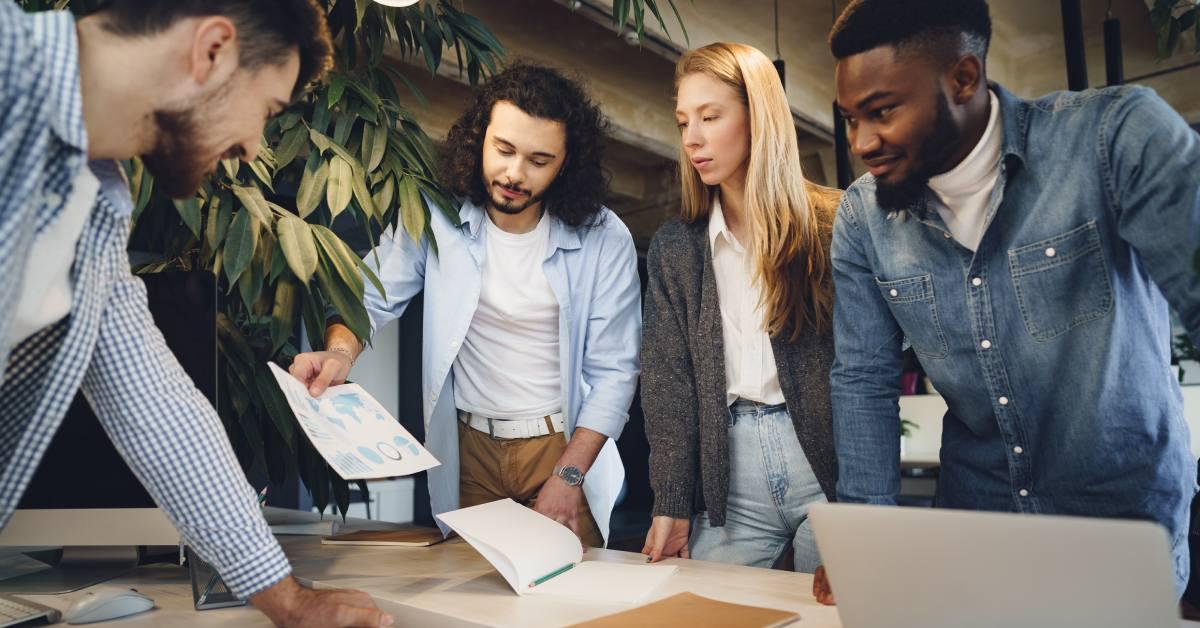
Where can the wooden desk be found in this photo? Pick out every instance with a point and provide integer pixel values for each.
(451, 585)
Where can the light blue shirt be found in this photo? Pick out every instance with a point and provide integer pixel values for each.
(593, 273)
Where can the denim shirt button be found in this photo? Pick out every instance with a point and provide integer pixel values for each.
(894, 292)
(1003, 401)
(1023, 493)
(977, 281)
(1050, 252)
(986, 344)
(1018, 450)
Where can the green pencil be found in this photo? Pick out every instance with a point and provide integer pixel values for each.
(556, 572)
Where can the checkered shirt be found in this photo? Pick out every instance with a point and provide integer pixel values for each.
(108, 346)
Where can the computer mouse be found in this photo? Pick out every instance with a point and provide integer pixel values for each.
(106, 604)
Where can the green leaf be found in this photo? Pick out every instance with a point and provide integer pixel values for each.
(231, 167)
(320, 118)
(283, 313)
(378, 146)
(361, 7)
(299, 248)
(293, 140)
(145, 187)
(220, 213)
(189, 211)
(371, 276)
(348, 305)
(341, 494)
(276, 405)
(683, 27)
(251, 284)
(288, 120)
(339, 252)
(234, 345)
(252, 199)
(325, 143)
(341, 185)
(262, 173)
(312, 184)
(384, 195)
(412, 209)
(337, 86)
(343, 127)
(363, 194)
(239, 247)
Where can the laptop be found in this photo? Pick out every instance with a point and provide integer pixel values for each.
(894, 567)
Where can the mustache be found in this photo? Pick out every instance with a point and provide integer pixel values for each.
(511, 188)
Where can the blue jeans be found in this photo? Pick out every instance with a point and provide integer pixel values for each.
(771, 487)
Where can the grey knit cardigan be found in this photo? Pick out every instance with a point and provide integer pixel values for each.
(683, 376)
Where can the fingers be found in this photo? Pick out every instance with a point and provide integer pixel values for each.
(822, 590)
(357, 616)
(654, 544)
(304, 367)
(330, 371)
(684, 552)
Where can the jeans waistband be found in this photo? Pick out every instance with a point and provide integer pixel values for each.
(745, 406)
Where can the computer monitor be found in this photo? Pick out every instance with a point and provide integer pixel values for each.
(83, 498)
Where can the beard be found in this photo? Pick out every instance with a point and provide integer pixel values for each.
(512, 206)
(935, 149)
(175, 161)
(179, 159)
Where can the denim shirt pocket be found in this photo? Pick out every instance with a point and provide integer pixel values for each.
(1061, 282)
(912, 303)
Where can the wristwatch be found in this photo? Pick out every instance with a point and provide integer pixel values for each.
(569, 474)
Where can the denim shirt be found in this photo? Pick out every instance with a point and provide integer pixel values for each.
(1070, 406)
(593, 274)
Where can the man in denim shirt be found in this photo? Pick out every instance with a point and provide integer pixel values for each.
(1029, 251)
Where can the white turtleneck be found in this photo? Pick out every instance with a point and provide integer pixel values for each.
(961, 195)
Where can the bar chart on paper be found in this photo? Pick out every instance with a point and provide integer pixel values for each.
(356, 435)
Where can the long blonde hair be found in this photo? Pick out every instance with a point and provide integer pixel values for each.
(787, 249)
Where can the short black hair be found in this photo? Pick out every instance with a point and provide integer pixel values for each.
(267, 30)
(577, 194)
(942, 29)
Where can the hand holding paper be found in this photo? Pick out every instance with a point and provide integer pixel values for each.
(357, 436)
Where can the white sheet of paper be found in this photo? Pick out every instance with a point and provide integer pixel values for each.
(616, 583)
(356, 435)
(524, 546)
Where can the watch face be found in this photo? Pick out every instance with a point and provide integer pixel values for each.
(571, 475)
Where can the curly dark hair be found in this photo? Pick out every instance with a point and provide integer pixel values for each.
(267, 31)
(577, 194)
(941, 29)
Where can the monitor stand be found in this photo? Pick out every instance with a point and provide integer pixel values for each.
(73, 568)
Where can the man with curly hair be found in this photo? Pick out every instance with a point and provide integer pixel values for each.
(182, 84)
(1030, 252)
(532, 309)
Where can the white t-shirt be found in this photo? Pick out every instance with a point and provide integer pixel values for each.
(961, 195)
(508, 367)
(750, 371)
(46, 292)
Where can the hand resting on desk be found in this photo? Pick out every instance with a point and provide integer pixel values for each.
(290, 605)
(822, 590)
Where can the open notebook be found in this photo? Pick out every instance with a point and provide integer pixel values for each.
(539, 556)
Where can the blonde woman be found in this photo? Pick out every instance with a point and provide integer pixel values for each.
(736, 342)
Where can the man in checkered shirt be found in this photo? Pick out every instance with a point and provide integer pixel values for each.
(183, 84)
